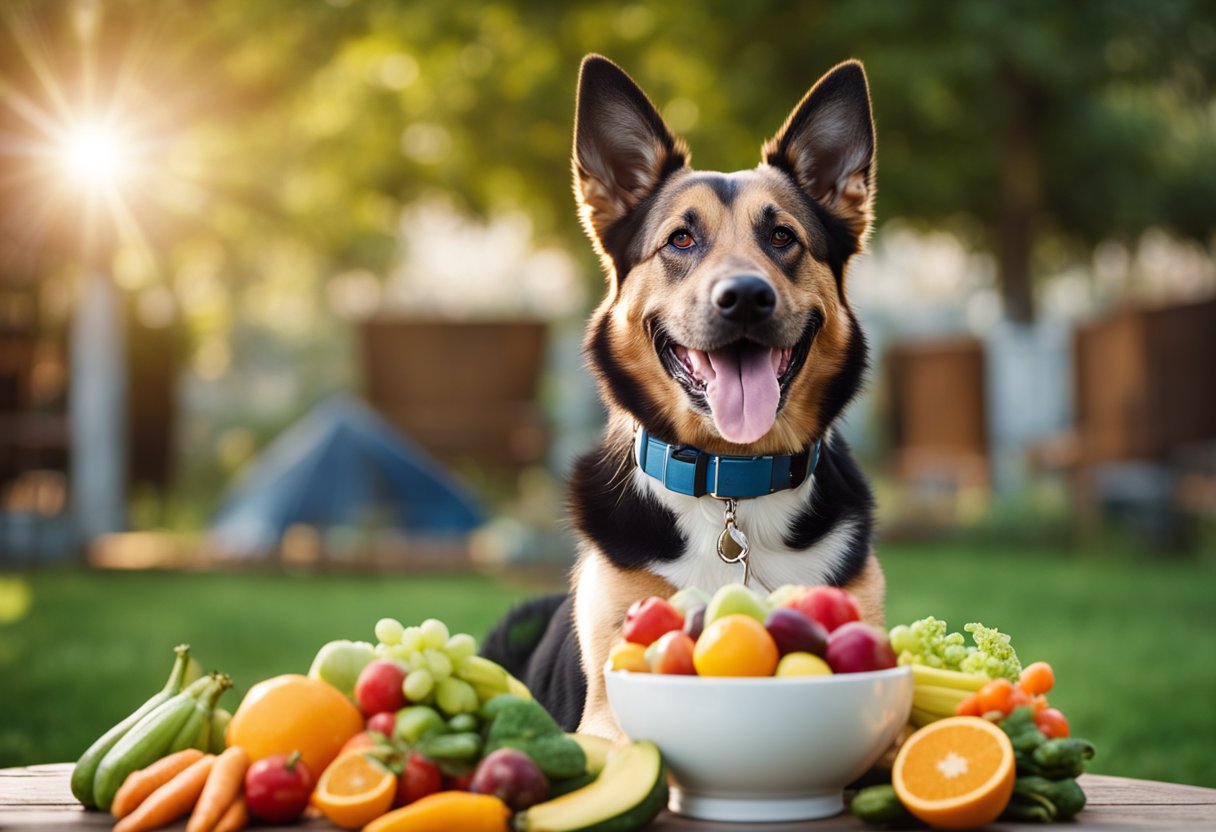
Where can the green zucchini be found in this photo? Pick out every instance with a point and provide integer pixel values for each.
(627, 795)
(86, 767)
(879, 806)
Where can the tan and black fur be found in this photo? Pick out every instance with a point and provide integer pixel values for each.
(670, 239)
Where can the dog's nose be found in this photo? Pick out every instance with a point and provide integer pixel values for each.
(744, 299)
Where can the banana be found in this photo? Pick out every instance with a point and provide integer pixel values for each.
(196, 731)
(921, 718)
(85, 770)
(937, 700)
(482, 673)
(924, 675)
(518, 688)
(146, 742)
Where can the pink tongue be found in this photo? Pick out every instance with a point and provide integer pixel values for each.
(744, 394)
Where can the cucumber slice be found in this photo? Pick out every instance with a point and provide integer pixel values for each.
(627, 795)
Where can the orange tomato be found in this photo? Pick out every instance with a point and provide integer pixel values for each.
(735, 645)
(1037, 678)
(625, 655)
(294, 713)
(997, 695)
(969, 706)
(956, 773)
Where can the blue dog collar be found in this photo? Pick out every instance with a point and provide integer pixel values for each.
(686, 470)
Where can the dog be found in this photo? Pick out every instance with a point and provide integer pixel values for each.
(724, 350)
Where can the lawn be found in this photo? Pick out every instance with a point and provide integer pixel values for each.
(1133, 643)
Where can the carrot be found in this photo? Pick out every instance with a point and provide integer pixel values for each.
(170, 801)
(139, 784)
(445, 811)
(223, 787)
(237, 817)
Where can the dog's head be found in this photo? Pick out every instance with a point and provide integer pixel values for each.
(725, 325)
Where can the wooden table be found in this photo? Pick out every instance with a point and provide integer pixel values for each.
(37, 797)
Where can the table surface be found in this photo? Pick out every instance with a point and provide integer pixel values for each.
(37, 797)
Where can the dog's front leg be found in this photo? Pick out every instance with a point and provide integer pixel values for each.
(602, 595)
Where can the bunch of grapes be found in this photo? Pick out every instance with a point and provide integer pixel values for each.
(443, 669)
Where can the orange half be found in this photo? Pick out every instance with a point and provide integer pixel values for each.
(354, 790)
(956, 773)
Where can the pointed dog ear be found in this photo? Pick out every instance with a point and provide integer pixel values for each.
(827, 145)
(622, 147)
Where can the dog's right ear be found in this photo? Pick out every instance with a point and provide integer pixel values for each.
(622, 147)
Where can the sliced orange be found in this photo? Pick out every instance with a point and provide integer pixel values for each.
(956, 773)
(354, 790)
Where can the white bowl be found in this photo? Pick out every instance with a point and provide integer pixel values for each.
(763, 749)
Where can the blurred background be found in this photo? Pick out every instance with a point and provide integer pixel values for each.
(292, 293)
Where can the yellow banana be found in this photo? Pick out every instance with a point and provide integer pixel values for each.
(937, 700)
(480, 671)
(924, 675)
(920, 718)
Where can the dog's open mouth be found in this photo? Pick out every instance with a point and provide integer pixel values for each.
(741, 385)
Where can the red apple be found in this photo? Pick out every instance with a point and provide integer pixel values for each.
(383, 722)
(378, 688)
(649, 618)
(277, 788)
(419, 777)
(827, 605)
(856, 647)
(795, 633)
(672, 654)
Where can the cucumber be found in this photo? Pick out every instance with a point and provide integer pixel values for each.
(627, 795)
(146, 742)
(218, 741)
(879, 806)
(196, 731)
(85, 769)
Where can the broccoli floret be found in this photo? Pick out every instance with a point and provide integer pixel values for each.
(995, 655)
(524, 724)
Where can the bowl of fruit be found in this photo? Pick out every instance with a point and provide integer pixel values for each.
(764, 708)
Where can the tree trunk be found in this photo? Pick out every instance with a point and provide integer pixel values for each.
(1019, 197)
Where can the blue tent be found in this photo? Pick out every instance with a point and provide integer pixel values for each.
(342, 465)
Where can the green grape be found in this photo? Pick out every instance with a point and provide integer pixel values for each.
(389, 631)
(418, 685)
(903, 639)
(460, 646)
(456, 697)
(412, 638)
(381, 650)
(417, 661)
(434, 633)
(396, 651)
(438, 662)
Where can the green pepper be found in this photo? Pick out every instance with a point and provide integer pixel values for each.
(1064, 796)
(1062, 758)
(1022, 731)
(1029, 808)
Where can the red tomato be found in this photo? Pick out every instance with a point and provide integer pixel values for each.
(1052, 723)
(419, 778)
(277, 788)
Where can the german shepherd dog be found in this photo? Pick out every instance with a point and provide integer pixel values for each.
(725, 349)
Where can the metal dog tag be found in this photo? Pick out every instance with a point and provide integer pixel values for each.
(732, 543)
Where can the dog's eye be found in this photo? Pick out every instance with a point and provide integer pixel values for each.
(782, 236)
(681, 239)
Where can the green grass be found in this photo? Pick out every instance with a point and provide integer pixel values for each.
(1133, 643)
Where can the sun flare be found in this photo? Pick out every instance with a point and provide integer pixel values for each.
(94, 155)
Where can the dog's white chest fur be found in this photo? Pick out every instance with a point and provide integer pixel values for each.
(765, 521)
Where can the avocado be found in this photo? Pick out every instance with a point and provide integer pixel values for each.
(627, 795)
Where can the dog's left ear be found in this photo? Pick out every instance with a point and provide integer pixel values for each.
(827, 145)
